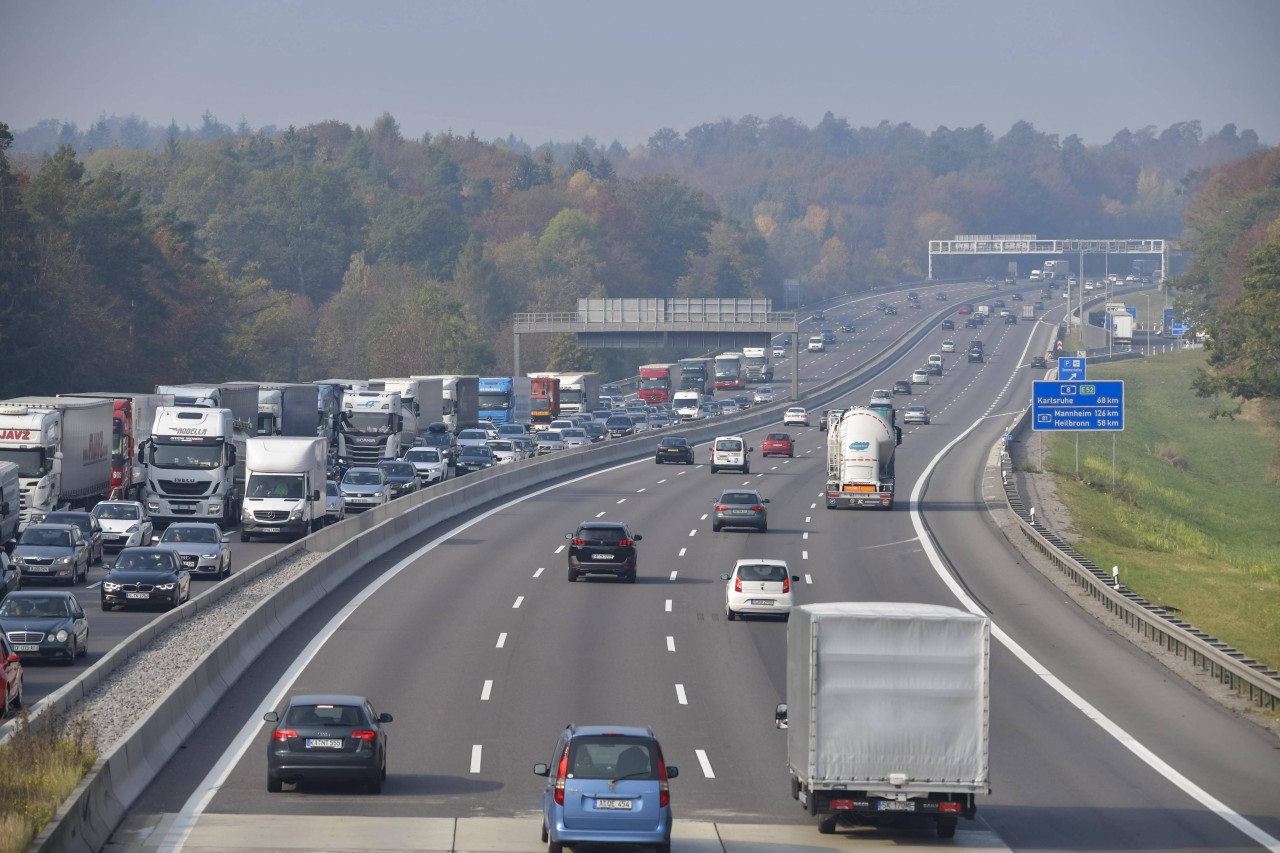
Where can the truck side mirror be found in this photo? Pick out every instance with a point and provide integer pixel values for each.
(780, 716)
(315, 495)
(4, 507)
(898, 431)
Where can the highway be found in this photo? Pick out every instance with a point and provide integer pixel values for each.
(474, 640)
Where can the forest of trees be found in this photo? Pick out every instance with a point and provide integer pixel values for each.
(334, 250)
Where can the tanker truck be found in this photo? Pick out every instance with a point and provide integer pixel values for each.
(860, 451)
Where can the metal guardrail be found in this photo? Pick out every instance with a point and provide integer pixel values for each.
(1242, 674)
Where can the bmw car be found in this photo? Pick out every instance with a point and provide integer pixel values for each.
(327, 738)
(146, 576)
(46, 624)
(201, 547)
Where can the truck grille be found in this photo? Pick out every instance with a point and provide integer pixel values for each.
(365, 456)
(25, 637)
(270, 515)
(169, 487)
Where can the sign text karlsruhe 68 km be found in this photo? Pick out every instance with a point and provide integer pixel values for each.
(1085, 406)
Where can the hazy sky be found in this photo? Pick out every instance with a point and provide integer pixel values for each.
(560, 71)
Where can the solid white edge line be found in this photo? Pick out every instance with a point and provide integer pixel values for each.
(185, 820)
(1128, 741)
(706, 764)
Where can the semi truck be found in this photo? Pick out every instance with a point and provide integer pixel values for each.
(579, 392)
(887, 712)
(284, 493)
(728, 371)
(62, 448)
(240, 398)
(756, 362)
(1121, 323)
(195, 465)
(860, 460)
(421, 404)
(544, 399)
(1028, 312)
(461, 399)
(287, 409)
(658, 383)
(369, 428)
(328, 410)
(506, 399)
(697, 374)
(1056, 271)
(131, 418)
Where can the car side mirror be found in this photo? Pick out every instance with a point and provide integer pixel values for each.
(12, 658)
(780, 716)
(271, 717)
(672, 772)
(541, 770)
(226, 537)
(385, 717)
(568, 536)
(637, 537)
(795, 578)
(155, 539)
(764, 501)
(4, 507)
(724, 577)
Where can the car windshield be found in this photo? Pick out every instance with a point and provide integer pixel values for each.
(473, 435)
(42, 536)
(601, 535)
(480, 450)
(331, 488)
(363, 478)
(612, 757)
(747, 498)
(762, 572)
(574, 433)
(423, 456)
(180, 533)
(325, 716)
(674, 442)
(285, 486)
(144, 561)
(121, 512)
(617, 422)
(502, 446)
(399, 469)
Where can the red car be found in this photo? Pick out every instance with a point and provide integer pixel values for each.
(915, 304)
(778, 444)
(965, 309)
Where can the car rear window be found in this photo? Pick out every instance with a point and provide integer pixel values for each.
(612, 757)
(739, 498)
(325, 715)
(601, 535)
(777, 436)
(730, 445)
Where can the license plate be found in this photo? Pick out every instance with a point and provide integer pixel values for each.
(271, 530)
(26, 648)
(619, 805)
(762, 602)
(137, 595)
(37, 569)
(894, 806)
(602, 556)
(324, 743)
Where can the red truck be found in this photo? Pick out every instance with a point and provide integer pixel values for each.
(658, 382)
(544, 400)
(131, 419)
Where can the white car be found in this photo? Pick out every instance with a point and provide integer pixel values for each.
(124, 524)
(762, 395)
(575, 437)
(795, 416)
(915, 415)
(562, 423)
(948, 346)
(335, 506)
(431, 466)
(779, 352)
(504, 451)
(920, 377)
(758, 587)
(881, 397)
(474, 437)
(549, 441)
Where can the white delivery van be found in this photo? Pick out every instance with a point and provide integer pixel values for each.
(730, 451)
(817, 344)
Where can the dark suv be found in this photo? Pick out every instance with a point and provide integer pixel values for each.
(1038, 363)
(603, 548)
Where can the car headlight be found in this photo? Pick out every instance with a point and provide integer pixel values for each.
(208, 556)
(131, 529)
(379, 493)
(293, 516)
(18, 559)
(167, 586)
(108, 586)
(62, 561)
(61, 636)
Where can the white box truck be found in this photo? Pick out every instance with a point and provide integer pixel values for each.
(62, 447)
(887, 712)
(284, 488)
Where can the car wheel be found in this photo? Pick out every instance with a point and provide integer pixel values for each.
(555, 847)
(374, 785)
(764, 528)
(630, 577)
(545, 835)
(244, 537)
(664, 847)
(729, 614)
(573, 576)
(715, 528)
(75, 652)
(657, 461)
(84, 650)
(106, 608)
(274, 785)
(715, 470)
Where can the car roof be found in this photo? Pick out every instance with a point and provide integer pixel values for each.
(740, 492)
(595, 731)
(601, 525)
(326, 699)
(374, 470)
(44, 526)
(147, 549)
(196, 524)
(41, 593)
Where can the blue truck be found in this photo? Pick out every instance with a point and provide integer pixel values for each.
(505, 399)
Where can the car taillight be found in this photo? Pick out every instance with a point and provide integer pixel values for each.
(579, 542)
(664, 789)
(786, 584)
(737, 584)
(562, 770)
(721, 508)
(624, 543)
(282, 735)
(366, 735)
(757, 509)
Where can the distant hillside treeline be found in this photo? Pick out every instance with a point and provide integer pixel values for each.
(334, 250)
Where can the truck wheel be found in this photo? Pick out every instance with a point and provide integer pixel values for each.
(946, 827)
(827, 826)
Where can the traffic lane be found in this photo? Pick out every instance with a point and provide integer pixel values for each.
(1123, 682)
(108, 629)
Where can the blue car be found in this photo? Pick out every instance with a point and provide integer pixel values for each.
(606, 784)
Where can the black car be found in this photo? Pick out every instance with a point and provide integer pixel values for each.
(949, 325)
(933, 368)
(595, 431)
(1038, 362)
(45, 624)
(674, 448)
(998, 303)
(976, 343)
(1017, 297)
(402, 477)
(941, 297)
(902, 386)
(327, 738)
(90, 529)
(603, 548)
(475, 457)
(620, 426)
(146, 576)
(847, 328)
(819, 315)
(975, 355)
(891, 310)
(1010, 319)
(972, 322)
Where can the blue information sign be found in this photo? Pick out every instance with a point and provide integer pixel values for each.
(1180, 329)
(1083, 406)
(1070, 369)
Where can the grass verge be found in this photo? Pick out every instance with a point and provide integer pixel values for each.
(1193, 517)
(41, 769)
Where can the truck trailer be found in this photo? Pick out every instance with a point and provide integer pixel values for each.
(544, 399)
(460, 403)
(887, 712)
(284, 493)
(62, 447)
(860, 460)
(287, 408)
(131, 419)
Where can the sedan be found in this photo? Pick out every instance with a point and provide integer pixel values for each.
(740, 508)
(948, 346)
(949, 325)
(53, 551)
(881, 395)
(550, 440)
(893, 311)
(89, 526)
(778, 444)
(504, 451)
(125, 524)
(903, 386)
(762, 395)
(335, 508)
(45, 624)
(796, 416)
(146, 576)
(915, 415)
(603, 547)
(473, 438)
(327, 738)
(673, 448)
(576, 437)
(920, 377)
(847, 328)
(619, 426)
(201, 548)
(475, 459)
(1038, 362)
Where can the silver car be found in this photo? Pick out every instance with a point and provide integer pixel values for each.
(125, 524)
(366, 488)
(90, 529)
(202, 548)
(576, 437)
(549, 441)
(335, 507)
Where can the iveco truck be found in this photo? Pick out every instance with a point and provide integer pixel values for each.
(195, 465)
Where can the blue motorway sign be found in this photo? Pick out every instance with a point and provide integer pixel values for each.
(1083, 406)
(1071, 369)
(1180, 329)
